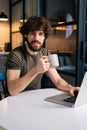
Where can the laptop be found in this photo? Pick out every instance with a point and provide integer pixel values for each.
(71, 101)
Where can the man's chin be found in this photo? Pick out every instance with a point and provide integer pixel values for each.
(36, 50)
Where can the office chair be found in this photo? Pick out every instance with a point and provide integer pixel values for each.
(3, 83)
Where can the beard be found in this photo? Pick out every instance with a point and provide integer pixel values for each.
(34, 48)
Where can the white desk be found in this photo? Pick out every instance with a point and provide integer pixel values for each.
(29, 111)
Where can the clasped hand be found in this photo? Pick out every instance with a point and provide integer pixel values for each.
(43, 64)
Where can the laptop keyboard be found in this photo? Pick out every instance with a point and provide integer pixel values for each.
(71, 99)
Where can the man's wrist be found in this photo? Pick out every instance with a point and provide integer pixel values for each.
(70, 87)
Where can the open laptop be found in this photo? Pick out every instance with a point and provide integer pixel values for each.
(67, 100)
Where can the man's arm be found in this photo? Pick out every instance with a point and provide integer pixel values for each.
(60, 83)
(17, 84)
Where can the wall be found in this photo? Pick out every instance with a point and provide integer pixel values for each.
(4, 26)
(58, 41)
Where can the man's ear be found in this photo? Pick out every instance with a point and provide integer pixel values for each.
(25, 37)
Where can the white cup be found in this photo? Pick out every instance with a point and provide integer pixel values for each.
(53, 58)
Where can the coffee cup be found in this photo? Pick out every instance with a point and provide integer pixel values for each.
(53, 58)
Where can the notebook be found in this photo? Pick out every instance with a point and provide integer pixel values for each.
(65, 98)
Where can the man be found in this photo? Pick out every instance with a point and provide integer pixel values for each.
(27, 64)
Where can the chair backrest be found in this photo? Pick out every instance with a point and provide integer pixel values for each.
(2, 76)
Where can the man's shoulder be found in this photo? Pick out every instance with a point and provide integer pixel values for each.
(18, 50)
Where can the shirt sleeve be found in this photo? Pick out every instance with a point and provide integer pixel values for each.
(13, 61)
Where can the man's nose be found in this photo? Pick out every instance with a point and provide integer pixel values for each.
(36, 36)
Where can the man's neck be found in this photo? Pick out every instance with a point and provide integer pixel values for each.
(30, 51)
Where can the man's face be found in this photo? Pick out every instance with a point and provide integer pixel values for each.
(35, 40)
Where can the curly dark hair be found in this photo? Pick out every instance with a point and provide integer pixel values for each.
(36, 23)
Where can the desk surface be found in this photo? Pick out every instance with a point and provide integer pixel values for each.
(29, 111)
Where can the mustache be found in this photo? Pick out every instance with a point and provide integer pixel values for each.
(35, 41)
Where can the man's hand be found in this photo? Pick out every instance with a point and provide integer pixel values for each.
(43, 64)
(73, 90)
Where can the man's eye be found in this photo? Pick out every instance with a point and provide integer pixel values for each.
(41, 33)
